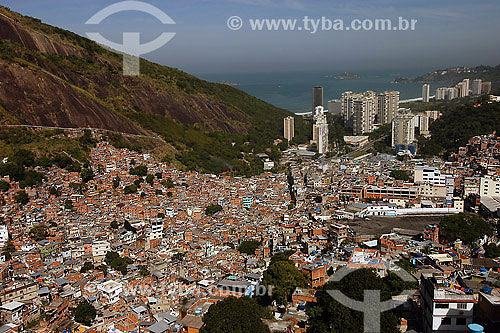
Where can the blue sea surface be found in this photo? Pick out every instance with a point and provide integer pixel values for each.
(293, 90)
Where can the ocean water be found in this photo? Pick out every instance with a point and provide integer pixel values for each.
(293, 90)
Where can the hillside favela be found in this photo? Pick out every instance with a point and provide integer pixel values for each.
(249, 166)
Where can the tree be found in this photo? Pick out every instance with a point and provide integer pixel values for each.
(237, 315)
(212, 209)
(54, 191)
(492, 251)
(7, 250)
(284, 276)
(130, 189)
(150, 179)
(467, 227)
(118, 263)
(38, 232)
(22, 198)
(68, 204)
(179, 256)
(116, 182)
(87, 266)
(140, 170)
(87, 175)
(406, 265)
(114, 225)
(249, 247)
(84, 313)
(330, 316)
(400, 175)
(4, 186)
(144, 271)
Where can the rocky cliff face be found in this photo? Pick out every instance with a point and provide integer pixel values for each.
(52, 77)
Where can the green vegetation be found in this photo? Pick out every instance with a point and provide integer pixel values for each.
(39, 232)
(284, 276)
(114, 225)
(467, 227)
(68, 204)
(400, 175)
(140, 170)
(236, 315)
(144, 271)
(84, 313)
(212, 209)
(118, 263)
(249, 247)
(22, 198)
(406, 265)
(130, 189)
(4, 186)
(179, 256)
(87, 266)
(330, 316)
(492, 251)
(116, 182)
(460, 121)
(8, 249)
(87, 175)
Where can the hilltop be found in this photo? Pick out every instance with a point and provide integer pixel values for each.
(456, 74)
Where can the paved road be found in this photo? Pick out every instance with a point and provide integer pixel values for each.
(89, 128)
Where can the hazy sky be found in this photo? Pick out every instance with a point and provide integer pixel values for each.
(448, 33)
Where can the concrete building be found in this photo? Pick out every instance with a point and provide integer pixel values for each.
(320, 130)
(289, 128)
(489, 186)
(426, 92)
(99, 250)
(445, 308)
(485, 87)
(335, 107)
(388, 104)
(489, 309)
(403, 132)
(111, 290)
(447, 93)
(476, 86)
(359, 111)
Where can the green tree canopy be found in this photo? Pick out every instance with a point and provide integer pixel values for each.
(492, 251)
(284, 276)
(235, 315)
(331, 316)
(22, 198)
(467, 227)
(249, 247)
(140, 170)
(212, 209)
(400, 175)
(84, 313)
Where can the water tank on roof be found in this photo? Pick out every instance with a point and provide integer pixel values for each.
(475, 328)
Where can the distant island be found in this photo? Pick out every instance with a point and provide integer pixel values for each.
(348, 76)
(457, 74)
(230, 83)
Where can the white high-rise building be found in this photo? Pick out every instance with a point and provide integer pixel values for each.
(426, 89)
(388, 104)
(463, 89)
(476, 86)
(320, 130)
(447, 93)
(359, 110)
(289, 128)
(403, 130)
